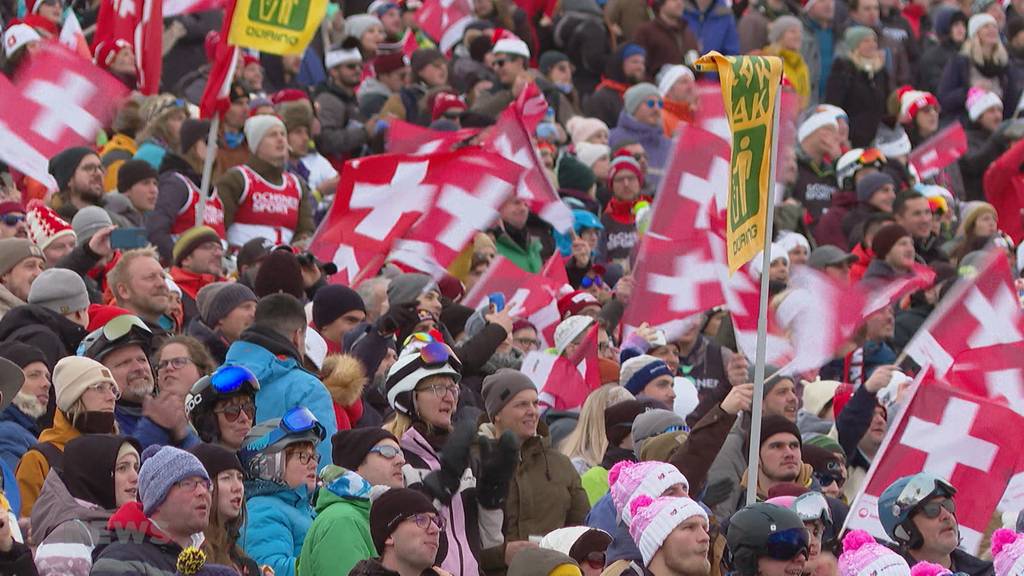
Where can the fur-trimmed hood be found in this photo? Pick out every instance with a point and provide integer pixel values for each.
(344, 377)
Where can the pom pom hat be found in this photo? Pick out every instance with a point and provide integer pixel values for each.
(862, 556)
(654, 519)
(629, 480)
(1008, 552)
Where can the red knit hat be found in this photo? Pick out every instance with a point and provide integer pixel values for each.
(445, 102)
(574, 302)
(913, 101)
(44, 225)
(100, 314)
(623, 160)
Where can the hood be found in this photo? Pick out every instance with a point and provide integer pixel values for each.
(344, 486)
(808, 423)
(56, 506)
(534, 561)
(636, 130)
(70, 334)
(190, 282)
(344, 378)
(614, 69)
(88, 469)
(175, 163)
(119, 204)
(271, 341)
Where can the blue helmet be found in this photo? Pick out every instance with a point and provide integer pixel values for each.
(902, 498)
(584, 219)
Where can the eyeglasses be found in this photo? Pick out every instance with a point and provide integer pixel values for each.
(527, 343)
(423, 521)
(441, 390)
(176, 363)
(306, 456)
(389, 452)
(787, 544)
(652, 103)
(190, 484)
(933, 509)
(233, 412)
(595, 560)
(230, 379)
(107, 387)
(91, 167)
(12, 219)
(589, 281)
(500, 62)
(827, 479)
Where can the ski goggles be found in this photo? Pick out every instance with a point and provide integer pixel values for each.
(297, 421)
(787, 544)
(871, 156)
(122, 325)
(118, 328)
(812, 506)
(589, 281)
(920, 488)
(433, 352)
(231, 379)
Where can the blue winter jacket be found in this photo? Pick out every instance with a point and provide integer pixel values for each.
(131, 422)
(603, 516)
(715, 27)
(18, 433)
(284, 383)
(277, 519)
(657, 146)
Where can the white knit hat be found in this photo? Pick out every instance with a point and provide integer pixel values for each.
(513, 46)
(589, 153)
(669, 75)
(776, 252)
(342, 56)
(256, 127)
(979, 100)
(819, 119)
(17, 36)
(569, 329)
(654, 519)
(978, 21)
(73, 375)
(358, 24)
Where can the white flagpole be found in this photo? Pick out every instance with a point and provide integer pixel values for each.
(762, 317)
(211, 154)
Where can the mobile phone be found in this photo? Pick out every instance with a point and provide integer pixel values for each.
(128, 238)
(497, 299)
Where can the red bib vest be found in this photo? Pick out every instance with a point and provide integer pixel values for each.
(266, 210)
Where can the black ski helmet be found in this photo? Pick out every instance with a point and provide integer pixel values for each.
(752, 530)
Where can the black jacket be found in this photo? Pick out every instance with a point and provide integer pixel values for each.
(861, 95)
(213, 340)
(43, 328)
(171, 199)
(983, 148)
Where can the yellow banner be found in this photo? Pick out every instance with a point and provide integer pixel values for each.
(276, 26)
(750, 86)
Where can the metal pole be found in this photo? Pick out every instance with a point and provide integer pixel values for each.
(211, 154)
(762, 317)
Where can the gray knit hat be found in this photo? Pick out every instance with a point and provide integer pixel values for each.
(502, 386)
(406, 288)
(854, 35)
(652, 423)
(217, 300)
(637, 95)
(162, 468)
(60, 290)
(88, 221)
(779, 26)
(14, 250)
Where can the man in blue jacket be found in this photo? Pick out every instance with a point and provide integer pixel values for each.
(713, 23)
(22, 403)
(272, 348)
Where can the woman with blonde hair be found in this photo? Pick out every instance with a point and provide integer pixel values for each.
(163, 115)
(984, 63)
(586, 444)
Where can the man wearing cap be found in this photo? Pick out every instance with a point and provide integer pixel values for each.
(136, 194)
(178, 198)
(407, 533)
(21, 262)
(79, 175)
(260, 198)
(391, 72)
(362, 458)
(174, 509)
(818, 140)
(337, 310)
(511, 63)
(649, 377)
(668, 38)
(545, 492)
(12, 220)
(625, 180)
(833, 262)
(343, 130)
(303, 158)
(24, 390)
(640, 122)
(198, 257)
(625, 68)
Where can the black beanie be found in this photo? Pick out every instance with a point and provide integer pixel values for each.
(618, 420)
(193, 131)
(62, 166)
(887, 237)
(350, 447)
(772, 425)
(280, 272)
(454, 317)
(216, 459)
(21, 354)
(333, 302)
(132, 172)
(88, 467)
(391, 508)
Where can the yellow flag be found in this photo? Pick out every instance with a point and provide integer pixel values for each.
(276, 26)
(750, 86)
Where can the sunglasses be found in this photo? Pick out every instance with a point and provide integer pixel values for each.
(233, 412)
(652, 103)
(231, 379)
(389, 452)
(595, 560)
(827, 479)
(933, 509)
(589, 281)
(787, 544)
(12, 219)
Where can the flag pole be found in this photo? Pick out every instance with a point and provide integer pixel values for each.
(762, 317)
(211, 154)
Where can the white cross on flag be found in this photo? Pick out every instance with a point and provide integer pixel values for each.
(564, 383)
(954, 435)
(406, 138)
(139, 23)
(692, 197)
(437, 16)
(58, 100)
(533, 297)
(976, 313)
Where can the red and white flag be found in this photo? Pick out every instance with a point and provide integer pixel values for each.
(59, 100)
(530, 106)
(216, 94)
(564, 383)
(532, 297)
(939, 151)
(176, 7)
(437, 16)
(995, 372)
(140, 23)
(692, 197)
(956, 436)
(71, 35)
(976, 313)
(406, 138)
(884, 294)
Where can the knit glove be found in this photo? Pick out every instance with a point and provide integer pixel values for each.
(498, 460)
(715, 494)
(443, 484)
(398, 317)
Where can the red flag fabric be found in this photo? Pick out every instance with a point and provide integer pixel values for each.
(976, 313)
(437, 16)
(939, 151)
(956, 436)
(564, 383)
(884, 294)
(532, 297)
(692, 197)
(176, 7)
(530, 106)
(406, 138)
(1004, 189)
(994, 372)
(139, 23)
(215, 99)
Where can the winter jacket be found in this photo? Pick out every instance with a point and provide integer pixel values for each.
(628, 15)
(214, 341)
(983, 149)
(956, 81)
(373, 567)
(284, 384)
(962, 562)
(53, 334)
(131, 422)
(657, 146)
(829, 229)
(138, 547)
(580, 33)
(728, 467)
(8, 301)
(818, 49)
(1004, 189)
(18, 433)
(67, 529)
(342, 134)
(122, 212)
(119, 148)
(277, 520)
(715, 27)
(345, 383)
(933, 62)
(169, 203)
(232, 184)
(371, 97)
(862, 95)
(897, 29)
(907, 323)
(854, 220)
(17, 561)
(188, 52)
(815, 185)
(605, 103)
(528, 258)
(342, 515)
(619, 236)
(33, 468)
(665, 44)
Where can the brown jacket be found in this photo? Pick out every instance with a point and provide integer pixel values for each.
(665, 44)
(33, 467)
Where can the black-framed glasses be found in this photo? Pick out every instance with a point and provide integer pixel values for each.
(389, 452)
(12, 219)
(933, 509)
(306, 456)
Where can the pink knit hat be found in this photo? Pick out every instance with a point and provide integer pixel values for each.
(1008, 552)
(929, 569)
(630, 479)
(863, 556)
(654, 519)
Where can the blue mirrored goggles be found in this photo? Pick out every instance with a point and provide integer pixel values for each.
(787, 544)
(231, 379)
(677, 428)
(589, 281)
(296, 421)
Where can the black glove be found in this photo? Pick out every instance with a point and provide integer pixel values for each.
(498, 461)
(715, 494)
(397, 318)
(443, 484)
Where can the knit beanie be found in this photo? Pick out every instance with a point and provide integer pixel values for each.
(669, 75)
(44, 225)
(637, 94)
(334, 301)
(639, 371)
(813, 122)
(772, 425)
(573, 174)
(14, 250)
(190, 240)
(913, 101)
(392, 507)
(350, 447)
(73, 375)
(218, 299)
(132, 172)
(618, 420)
(280, 272)
(88, 221)
(652, 423)
(162, 468)
(59, 290)
(825, 442)
(980, 100)
(979, 21)
(976, 210)
(216, 459)
(406, 288)
(627, 480)
(192, 562)
(21, 354)
(870, 184)
(62, 166)
(655, 518)
(779, 26)
(583, 128)
(570, 329)
(256, 127)
(886, 238)
(589, 153)
(820, 459)
(925, 568)
(358, 24)
(862, 556)
(454, 317)
(388, 63)
(624, 161)
(193, 130)
(854, 35)
(501, 387)
(892, 141)
(1008, 552)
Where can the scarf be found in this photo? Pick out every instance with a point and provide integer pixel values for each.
(190, 282)
(622, 210)
(610, 84)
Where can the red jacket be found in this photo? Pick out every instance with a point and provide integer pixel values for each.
(1004, 188)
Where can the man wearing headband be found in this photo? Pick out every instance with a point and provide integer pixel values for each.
(343, 132)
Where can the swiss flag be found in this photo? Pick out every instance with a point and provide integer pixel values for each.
(884, 294)
(406, 138)
(994, 372)
(215, 99)
(176, 7)
(140, 23)
(956, 436)
(564, 383)
(437, 16)
(530, 106)
(939, 151)
(58, 100)
(692, 198)
(976, 313)
(533, 297)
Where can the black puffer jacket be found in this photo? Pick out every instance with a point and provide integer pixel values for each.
(43, 328)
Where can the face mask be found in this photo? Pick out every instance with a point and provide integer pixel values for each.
(94, 422)
(565, 88)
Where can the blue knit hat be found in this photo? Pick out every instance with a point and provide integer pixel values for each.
(640, 371)
(162, 468)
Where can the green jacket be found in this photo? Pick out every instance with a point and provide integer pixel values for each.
(595, 483)
(340, 536)
(529, 260)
